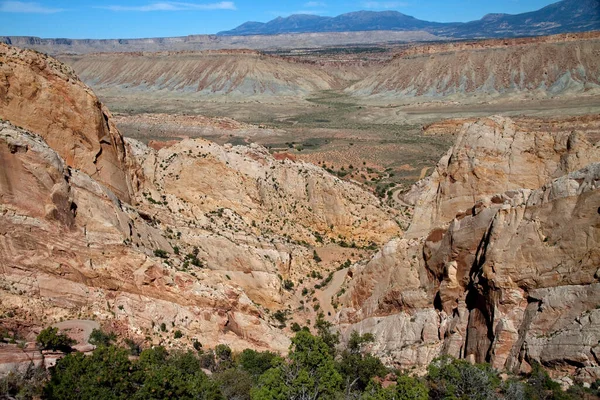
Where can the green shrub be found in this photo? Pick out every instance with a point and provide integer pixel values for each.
(161, 253)
(450, 378)
(310, 373)
(280, 316)
(50, 339)
(100, 338)
(540, 386)
(316, 256)
(234, 383)
(134, 347)
(288, 285)
(257, 363)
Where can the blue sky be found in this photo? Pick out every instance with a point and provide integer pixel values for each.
(157, 18)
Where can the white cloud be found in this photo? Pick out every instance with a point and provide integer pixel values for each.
(175, 6)
(26, 7)
(315, 4)
(386, 5)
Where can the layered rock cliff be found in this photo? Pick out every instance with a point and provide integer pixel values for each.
(70, 247)
(534, 69)
(45, 96)
(203, 238)
(511, 277)
(493, 155)
(237, 75)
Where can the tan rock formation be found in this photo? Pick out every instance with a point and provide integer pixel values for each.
(16, 358)
(512, 280)
(69, 247)
(288, 198)
(44, 96)
(491, 156)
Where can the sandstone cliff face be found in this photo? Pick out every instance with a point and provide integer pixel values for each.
(203, 244)
(511, 262)
(70, 247)
(44, 96)
(511, 280)
(490, 156)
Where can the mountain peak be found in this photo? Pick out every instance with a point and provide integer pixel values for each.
(563, 16)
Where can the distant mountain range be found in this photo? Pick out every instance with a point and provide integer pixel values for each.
(563, 16)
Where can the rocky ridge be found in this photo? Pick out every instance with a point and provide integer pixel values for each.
(205, 243)
(213, 42)
(491, 156)
(540, 69)
(45, 96)
(507, 274)
(237, 75)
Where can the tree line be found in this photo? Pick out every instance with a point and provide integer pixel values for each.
(317, 367)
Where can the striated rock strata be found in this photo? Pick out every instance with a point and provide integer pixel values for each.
(461, 70)
(69, 245)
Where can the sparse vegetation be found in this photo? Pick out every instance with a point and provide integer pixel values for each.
(161, 253)
(100, 338)
(316, 256)
(51, 339)
(315, 366)
(288, 285)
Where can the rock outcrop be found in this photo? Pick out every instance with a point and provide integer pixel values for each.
(490, 156)
(204, 243)
(511, 277)
(292, 198)
(70, 247)
(45, 96)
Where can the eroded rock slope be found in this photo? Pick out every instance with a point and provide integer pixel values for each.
(236, 74)
(203, 241)
(511, 277)
(531, 68)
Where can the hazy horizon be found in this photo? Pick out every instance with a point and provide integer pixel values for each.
(146, 19)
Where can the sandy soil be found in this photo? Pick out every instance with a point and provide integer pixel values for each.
(79, 330)
(325, 296)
